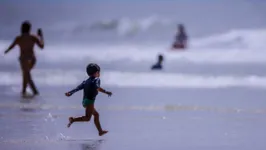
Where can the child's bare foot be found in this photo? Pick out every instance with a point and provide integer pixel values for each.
(71, 120)
(102, 133)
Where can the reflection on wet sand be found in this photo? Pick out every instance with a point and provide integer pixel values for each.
(94, 145)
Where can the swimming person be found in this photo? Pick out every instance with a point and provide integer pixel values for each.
(158, 65)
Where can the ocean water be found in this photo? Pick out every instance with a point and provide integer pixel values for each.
(211, 96)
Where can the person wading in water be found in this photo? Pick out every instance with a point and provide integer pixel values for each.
(27, 59)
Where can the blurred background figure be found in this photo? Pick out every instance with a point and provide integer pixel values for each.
(26, 42)
(181, 38)
(158, 65)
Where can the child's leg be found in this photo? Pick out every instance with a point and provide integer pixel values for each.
(97, 123)
(87, 117)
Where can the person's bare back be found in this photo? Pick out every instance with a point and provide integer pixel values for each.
(26, 44)
(27, 58)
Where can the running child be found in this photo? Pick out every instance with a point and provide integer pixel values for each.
(90, 87)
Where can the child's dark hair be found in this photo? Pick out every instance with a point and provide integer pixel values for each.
(25, 27)
(92, 68)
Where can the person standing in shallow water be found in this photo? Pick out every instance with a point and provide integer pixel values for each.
(27, 59)
(181, 38)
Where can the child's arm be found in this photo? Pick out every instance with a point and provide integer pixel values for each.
(12, 45)
(80, 87)
(98, 82)
(104, 91)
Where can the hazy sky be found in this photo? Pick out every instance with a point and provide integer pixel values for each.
(200, 16)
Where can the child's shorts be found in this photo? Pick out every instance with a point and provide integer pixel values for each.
(87, 102)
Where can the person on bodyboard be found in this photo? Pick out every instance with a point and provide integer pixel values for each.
(90, 87)
(158, 65)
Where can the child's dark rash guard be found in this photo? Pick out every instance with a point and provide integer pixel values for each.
(89, 87)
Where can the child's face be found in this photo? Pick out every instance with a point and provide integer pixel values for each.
(97, 74)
